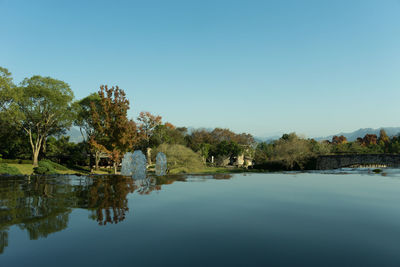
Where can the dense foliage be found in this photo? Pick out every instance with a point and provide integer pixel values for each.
(45, 109)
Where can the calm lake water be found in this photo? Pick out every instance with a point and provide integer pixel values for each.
(277, 219)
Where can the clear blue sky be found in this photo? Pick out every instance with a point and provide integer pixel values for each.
(264, 67)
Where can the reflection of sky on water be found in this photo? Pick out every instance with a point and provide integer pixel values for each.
(387, 172)
(350, 217)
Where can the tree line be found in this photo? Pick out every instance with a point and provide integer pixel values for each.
(36, 114)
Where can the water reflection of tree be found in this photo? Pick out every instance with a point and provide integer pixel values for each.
(37, 205)
(41, 205)
(106, 197)
(3, 240)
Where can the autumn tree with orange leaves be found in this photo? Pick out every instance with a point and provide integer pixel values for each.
(115, 133)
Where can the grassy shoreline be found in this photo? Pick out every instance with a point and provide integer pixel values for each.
(27, 169)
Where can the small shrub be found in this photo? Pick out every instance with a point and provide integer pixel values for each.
(45, 167)
(10, 170)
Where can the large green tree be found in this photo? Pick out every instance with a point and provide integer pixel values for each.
(45, 104)
(13, 142)
(6, 89)
(6, 99)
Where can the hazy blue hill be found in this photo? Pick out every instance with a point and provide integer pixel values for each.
(352, 136)
(391, 131)
(191, 129)
(267, 139)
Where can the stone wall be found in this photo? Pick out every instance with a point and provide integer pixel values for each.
(341, 161)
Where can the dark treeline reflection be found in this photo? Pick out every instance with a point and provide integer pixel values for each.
(42, 205)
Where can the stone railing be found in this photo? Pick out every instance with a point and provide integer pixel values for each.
(340, 161)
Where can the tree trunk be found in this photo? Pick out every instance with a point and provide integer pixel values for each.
(91, 161)
(148, 155)
(44, 147)
(36, 157)
(36, 146)
(97, 159)
(115, 167)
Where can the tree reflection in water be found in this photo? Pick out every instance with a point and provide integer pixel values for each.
(107, 198)
(42, 205)
(38, 205)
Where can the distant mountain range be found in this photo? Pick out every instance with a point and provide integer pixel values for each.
(267, 139)
(352, 136)
(390, 131)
